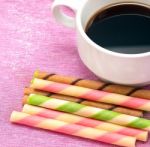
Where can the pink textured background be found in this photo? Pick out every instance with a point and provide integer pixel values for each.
(30, 39)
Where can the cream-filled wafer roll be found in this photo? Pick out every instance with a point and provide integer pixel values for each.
(74, 119)
(72, 129)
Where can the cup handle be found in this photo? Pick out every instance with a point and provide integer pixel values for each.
(60, 16)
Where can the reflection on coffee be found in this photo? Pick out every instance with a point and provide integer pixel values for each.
(123, 28)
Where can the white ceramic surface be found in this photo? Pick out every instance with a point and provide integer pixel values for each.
(130, 69)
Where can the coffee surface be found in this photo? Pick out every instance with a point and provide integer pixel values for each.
(121, 28)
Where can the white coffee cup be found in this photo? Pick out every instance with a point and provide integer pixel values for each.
(129, 69)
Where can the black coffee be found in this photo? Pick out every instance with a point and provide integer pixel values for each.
(122, 28)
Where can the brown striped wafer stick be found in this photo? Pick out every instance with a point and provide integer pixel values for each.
(28, 91)
(98, 85)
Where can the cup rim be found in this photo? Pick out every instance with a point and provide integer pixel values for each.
(100, 48)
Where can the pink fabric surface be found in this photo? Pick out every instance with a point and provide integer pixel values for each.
(30, 39)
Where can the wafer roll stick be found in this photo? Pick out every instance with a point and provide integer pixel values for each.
(97, 85)
(87, 111)
(74, 119)
(90, 94)
(72, 129)
(142, 93)
(28, 91)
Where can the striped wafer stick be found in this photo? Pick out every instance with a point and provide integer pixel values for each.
(90, 94)
(74, 119)
(87, 111)
(97, 85)
(72, 129)
(28, 91)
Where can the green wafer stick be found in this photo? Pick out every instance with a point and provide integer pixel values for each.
(87, 111)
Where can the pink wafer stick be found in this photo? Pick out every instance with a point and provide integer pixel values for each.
(74, 119)
(72, 129)
(90, 94)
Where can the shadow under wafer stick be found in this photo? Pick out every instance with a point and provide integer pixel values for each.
(28, 91)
